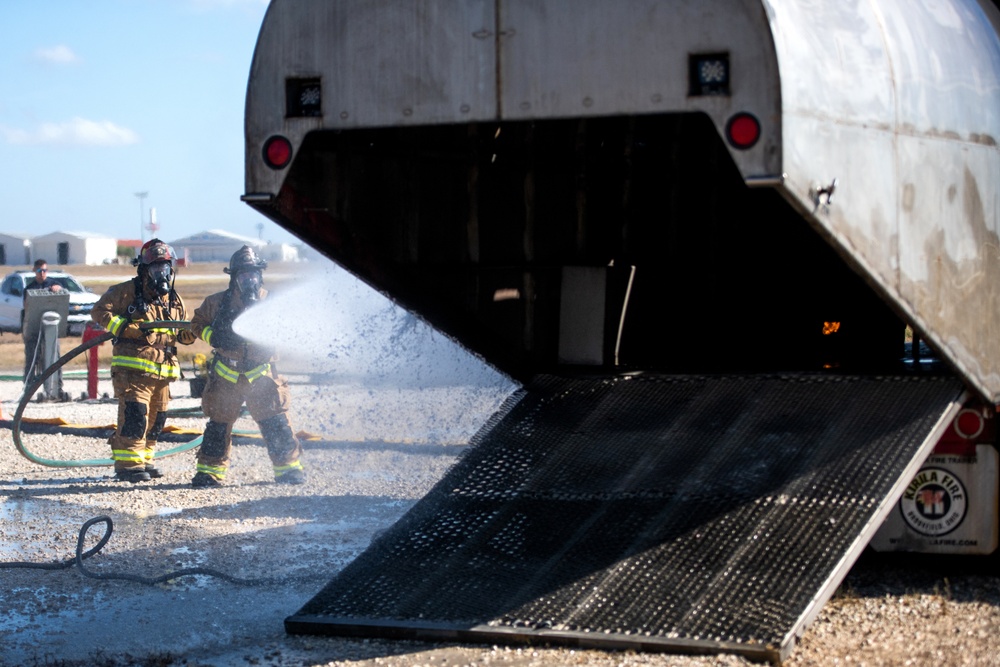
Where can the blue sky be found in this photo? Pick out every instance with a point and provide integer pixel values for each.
(103, 99)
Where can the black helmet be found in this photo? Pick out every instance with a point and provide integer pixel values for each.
(245, 268)
(156, 264)
(245, 259)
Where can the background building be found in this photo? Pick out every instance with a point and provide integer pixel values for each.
(216, 245)
(15, 249)
(62, 248)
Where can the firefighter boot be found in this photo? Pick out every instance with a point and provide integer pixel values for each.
(126, 449)
(292, 476)
(202, 480)
(283, 449)
(213, 457)
(134, 475)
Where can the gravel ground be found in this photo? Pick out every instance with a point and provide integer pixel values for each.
(380, 450)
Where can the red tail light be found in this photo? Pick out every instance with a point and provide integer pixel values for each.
(743, 130)
(277, 152)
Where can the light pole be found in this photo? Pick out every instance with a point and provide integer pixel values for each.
(141, 196)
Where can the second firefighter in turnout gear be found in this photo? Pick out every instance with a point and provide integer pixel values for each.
(144, 361)
(242, 372)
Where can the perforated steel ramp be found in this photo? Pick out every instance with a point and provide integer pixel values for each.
(686, 514)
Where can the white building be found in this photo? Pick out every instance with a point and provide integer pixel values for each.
(216, 245)
(15, 249)
(62, 248)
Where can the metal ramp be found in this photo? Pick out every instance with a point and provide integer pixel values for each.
(682, 514)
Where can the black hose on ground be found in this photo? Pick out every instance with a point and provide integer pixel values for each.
(81, 555)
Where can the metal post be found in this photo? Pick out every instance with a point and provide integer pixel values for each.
(50, 354)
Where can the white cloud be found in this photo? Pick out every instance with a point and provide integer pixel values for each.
(76, 132)
(57, 55)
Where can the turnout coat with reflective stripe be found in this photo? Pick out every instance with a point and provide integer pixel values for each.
(249, 359)
(154, 356)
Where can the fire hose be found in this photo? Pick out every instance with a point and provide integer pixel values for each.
(188, 571)
(33, 384)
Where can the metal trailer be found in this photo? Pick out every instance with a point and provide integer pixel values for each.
(702, 192)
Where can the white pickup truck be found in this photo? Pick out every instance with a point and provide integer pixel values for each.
(81, 301)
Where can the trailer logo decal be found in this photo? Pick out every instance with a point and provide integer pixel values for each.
(934, 503)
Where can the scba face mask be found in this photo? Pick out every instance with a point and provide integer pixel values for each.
(159, 275)
(249, 283)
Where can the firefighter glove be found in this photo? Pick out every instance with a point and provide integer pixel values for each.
(186, 337)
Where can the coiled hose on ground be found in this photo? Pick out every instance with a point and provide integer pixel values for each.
(81, 555)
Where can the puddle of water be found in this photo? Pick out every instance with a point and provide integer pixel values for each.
(158, 511)
(28, 510)
(51, 515)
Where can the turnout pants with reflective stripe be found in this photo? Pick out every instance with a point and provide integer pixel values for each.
(142, 411)
(267, 399)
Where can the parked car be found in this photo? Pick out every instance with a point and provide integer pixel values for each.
(81, 301)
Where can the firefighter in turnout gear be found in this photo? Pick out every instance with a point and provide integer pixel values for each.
(242, 372)
(144, 361)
